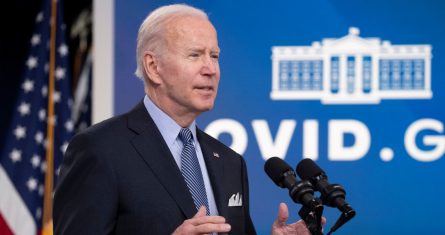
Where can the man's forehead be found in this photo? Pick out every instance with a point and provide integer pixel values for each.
(184, 24)
(189, 29)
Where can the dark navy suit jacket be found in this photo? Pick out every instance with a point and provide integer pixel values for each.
(119, 177)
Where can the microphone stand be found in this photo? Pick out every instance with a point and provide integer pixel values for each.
(312, 217)
(312, 210)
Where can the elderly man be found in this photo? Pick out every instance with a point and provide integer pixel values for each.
(151, 170)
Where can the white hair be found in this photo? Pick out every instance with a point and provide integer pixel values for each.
(150, 36)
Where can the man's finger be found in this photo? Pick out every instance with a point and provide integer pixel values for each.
(201, 218)
(283, 214)
(207, 219)
(212, 228)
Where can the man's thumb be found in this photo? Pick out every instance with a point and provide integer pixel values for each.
(283, 214)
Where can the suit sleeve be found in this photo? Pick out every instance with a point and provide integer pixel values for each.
(85, 201)
(250, 229)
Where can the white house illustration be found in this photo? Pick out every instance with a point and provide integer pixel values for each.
(351, 70)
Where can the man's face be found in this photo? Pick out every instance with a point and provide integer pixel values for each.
(189, 68)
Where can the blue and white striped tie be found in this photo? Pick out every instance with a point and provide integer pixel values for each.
(191, 171)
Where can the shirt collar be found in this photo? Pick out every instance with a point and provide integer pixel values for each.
(167, 126)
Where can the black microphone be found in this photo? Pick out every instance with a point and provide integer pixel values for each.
(284, 176)
(332, 195)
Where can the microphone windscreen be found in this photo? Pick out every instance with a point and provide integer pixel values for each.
(275, 168)
(308, 169)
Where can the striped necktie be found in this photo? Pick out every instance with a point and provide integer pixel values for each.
(191, 171)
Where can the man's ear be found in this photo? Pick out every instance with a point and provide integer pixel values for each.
(151, 67)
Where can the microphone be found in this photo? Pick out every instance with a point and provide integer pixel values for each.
(332, 195)
(284, 176)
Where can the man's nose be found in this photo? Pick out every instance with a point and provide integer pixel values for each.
(210, 65)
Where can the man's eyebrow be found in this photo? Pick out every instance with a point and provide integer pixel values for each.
(196, 49)
(202, 50)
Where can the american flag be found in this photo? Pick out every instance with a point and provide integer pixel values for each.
(23, 162)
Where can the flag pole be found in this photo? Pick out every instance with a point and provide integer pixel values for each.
(49, 176)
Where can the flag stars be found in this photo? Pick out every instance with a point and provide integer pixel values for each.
(35, 161)
(32, 184)
(69, 126)
(46, 68)
(32, 62)
(35, 39)
(24, 109)
(56, 96)
(20, 132)
(42, 115)
(39, 17)
(39, 137)
(63, 50)
(60, 73)
(15, 155)
(28, 85)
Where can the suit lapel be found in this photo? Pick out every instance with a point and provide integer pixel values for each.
(155, 152)
(215, 168)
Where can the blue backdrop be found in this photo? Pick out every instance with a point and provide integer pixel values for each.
(394, 191)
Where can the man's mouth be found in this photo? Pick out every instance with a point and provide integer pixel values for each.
(205, 88)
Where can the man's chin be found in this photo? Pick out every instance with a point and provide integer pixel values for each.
(205, 107)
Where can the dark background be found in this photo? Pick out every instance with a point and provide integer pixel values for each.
(16, 27)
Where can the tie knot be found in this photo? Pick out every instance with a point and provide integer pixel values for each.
(185, 135)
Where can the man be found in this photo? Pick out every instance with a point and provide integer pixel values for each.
(151, 170)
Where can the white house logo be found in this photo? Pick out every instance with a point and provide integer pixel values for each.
(351, 70)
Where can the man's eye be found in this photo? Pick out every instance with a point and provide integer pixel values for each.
(215, 56)
(194, 55)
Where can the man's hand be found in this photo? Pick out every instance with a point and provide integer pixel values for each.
(279, 227)
(202, 224)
